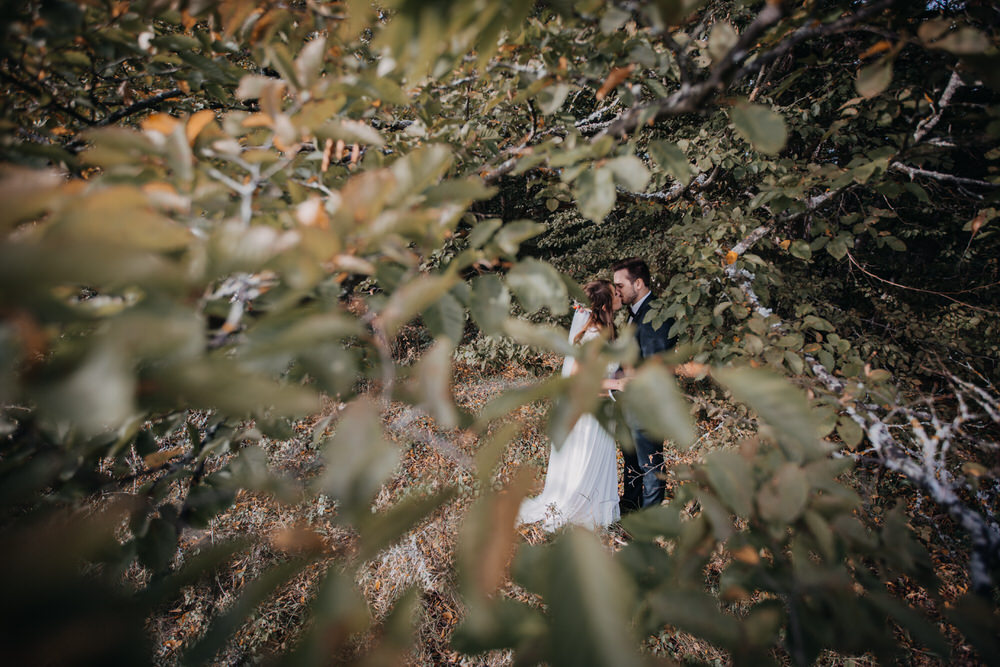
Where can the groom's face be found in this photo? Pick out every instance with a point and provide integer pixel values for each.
(625, 287)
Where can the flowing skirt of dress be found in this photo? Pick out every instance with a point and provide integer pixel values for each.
(581, 483)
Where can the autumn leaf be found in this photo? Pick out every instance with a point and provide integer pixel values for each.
(327, 154)
(617, 76)
(731, 257)
(745, 554)
(875, 49)
(160, 122)
(157, 459)
(197, 123)
(311, 213)
(257, 120)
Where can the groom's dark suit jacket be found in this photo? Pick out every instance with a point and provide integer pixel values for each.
(643, 485)
(651, 340)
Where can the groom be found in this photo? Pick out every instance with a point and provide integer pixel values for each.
(643, 487)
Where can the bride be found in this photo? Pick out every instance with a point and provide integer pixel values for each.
(581, 483)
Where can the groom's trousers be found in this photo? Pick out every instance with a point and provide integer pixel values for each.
(644, 487)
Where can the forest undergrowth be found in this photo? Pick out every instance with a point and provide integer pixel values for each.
(422, 563)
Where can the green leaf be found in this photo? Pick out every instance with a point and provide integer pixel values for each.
(223, 384)
(350, 132)
(292, 331)
(654, 522)
(483, 231)
(874, 78)
(783, 498)
(380, 530)
(763, 623)
(895, 243)
(732, 479)
(722, 38)
(118, 215)
(589, 598)
(595, 193)
(537, 285)
(837, 248)
(490, 305)
(778, 403)
(494, 624)
(433, 378)
(671, 159)
(795, 363)
(157, 548)
(359, 459)
(412, 298)
(551, 98)
(817, 323)
(26, 193)
(613, 19)
(513, 234)
(673, 12)
(629, 172)
(252, 595)
(309, 62)
(446, 318)
(975, 616)
(696, 612)
(966, 41)
(652, 397)
(761, 127)
(917, 625)
(800, 249)
(512, 399)
(850, 432)
(422, 168)
(822, 533)
(338, 612)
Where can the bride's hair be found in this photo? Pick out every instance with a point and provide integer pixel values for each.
(602, 314)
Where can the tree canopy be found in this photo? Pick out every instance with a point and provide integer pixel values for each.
(237, 210)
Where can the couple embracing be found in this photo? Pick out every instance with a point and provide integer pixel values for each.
(581, 482)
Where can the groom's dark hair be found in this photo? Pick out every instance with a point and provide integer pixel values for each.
(636, 267)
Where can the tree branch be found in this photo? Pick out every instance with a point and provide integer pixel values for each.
(945, 295)
(141, 105)
(913, 172)
(691, 97)
(926, 125)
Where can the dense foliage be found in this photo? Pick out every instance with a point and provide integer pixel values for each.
(218, 213)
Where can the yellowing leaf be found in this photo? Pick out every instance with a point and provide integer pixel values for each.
(311, 213)
(197, 123)
(784, 244)
(875, 49)
(157, 459)
(160, 122)
(731, 257)
(616, 77)
(257, 120)
(746, 554)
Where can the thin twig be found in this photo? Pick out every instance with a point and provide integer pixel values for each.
(141, 105)
(913, 172)
(945, 295)
(926, 125)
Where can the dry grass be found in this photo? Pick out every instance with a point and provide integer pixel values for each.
(424, 558)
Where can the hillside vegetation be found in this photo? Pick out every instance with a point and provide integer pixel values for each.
(283, 286)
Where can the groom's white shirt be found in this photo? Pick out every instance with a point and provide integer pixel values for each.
(638, 304)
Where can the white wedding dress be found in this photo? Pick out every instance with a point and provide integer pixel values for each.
(581, 483)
